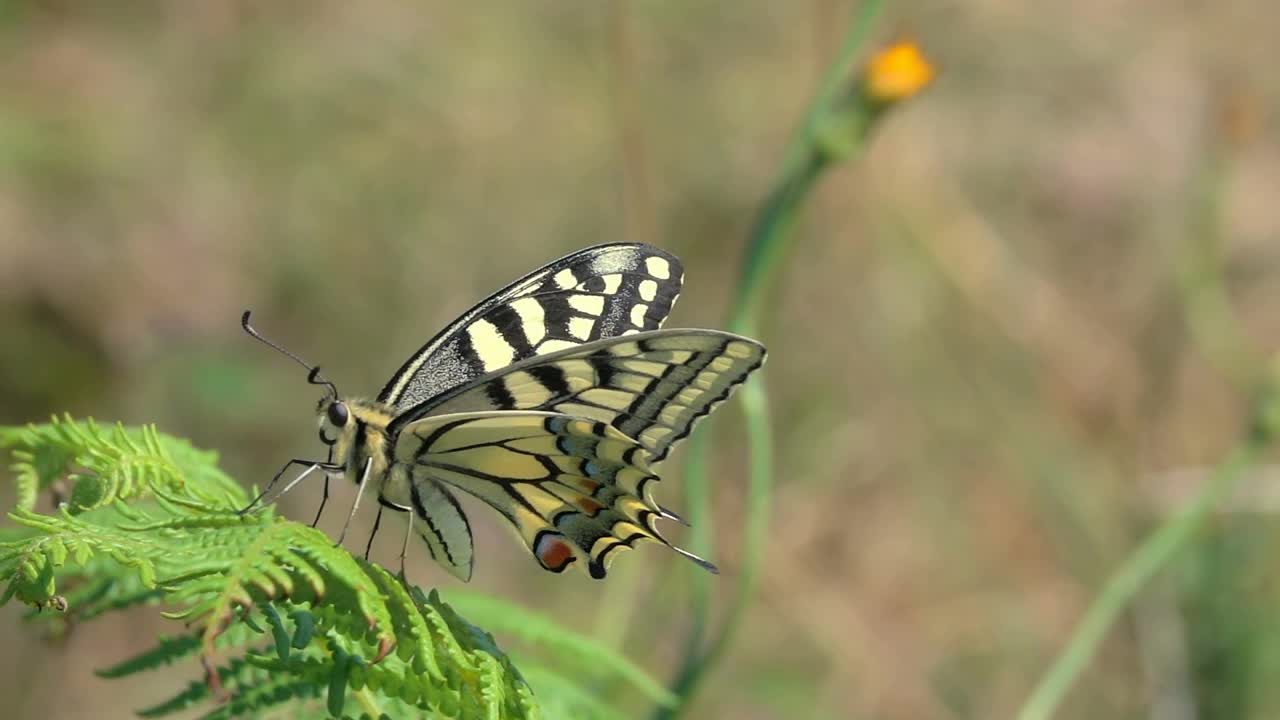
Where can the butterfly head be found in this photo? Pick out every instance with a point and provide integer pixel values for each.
(334, 417)
(353, 425)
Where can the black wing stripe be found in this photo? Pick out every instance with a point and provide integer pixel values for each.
(500, 396)
(552, 379)
(511, 328)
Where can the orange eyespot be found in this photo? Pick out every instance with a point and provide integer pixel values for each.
(553, 552)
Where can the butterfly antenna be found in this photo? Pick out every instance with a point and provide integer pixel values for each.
(313, 374)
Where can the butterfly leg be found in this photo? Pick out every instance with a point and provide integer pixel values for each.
(377, 522)
(313, 466)
(404, 549)
(323, 500)
(364, 479)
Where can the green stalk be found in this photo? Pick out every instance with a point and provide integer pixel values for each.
(808, 155)
(1144, 563)
(777, 222)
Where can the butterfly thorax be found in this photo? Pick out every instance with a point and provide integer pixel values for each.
(360, 437)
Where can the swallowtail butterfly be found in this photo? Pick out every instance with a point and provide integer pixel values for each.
(554, 401)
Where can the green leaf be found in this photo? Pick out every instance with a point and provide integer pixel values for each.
(278, 631)
(338, 683)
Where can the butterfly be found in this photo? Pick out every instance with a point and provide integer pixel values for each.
(554, 401)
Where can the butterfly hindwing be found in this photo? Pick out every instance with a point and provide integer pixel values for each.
(442, 524)
(573, 488)
(651, 387)
(600, 292)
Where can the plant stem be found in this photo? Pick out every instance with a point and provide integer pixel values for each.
(804, 162)
(776, 220)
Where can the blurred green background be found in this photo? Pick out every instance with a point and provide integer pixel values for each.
(993, 364)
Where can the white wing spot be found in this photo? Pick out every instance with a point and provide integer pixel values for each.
(580, 327)
(648, 290)
(637, 314)
(589, 304)
(658, 267)
(565, 279)
(611, 283)
(554, 345)
(493, 351)
(532, 319)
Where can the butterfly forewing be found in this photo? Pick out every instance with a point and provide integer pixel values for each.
(601, 292)
(573, 488)
(651, 387)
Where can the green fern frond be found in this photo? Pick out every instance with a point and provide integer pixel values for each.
(28, 565)
(172, 650)
(294, 618)
(258, 691)
(104, 466)
(166, 652)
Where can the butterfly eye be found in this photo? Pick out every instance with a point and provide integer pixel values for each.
(338, 414)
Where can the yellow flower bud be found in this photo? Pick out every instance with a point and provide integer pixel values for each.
(896, 73)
